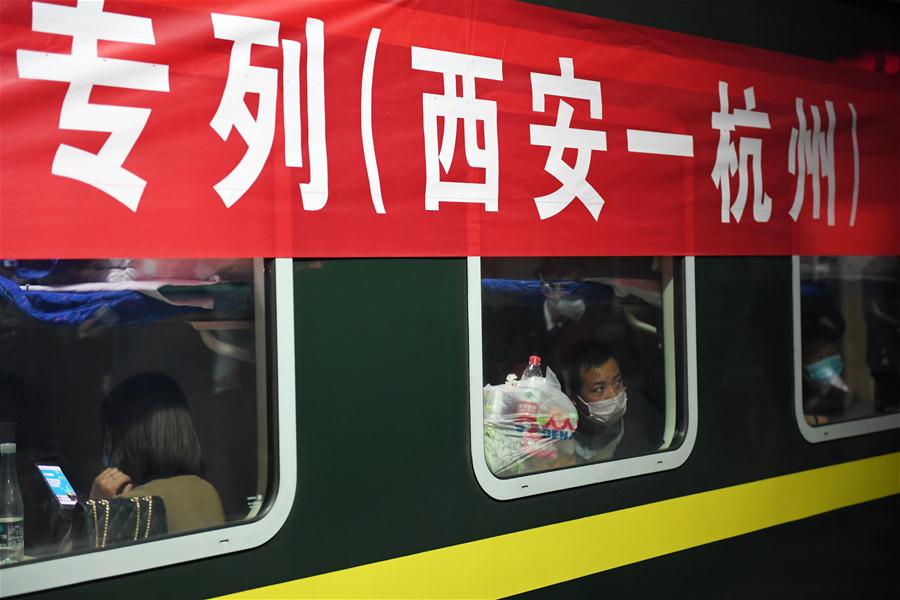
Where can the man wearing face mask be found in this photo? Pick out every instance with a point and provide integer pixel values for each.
(613, 422)
(543, 314)
(826, 396)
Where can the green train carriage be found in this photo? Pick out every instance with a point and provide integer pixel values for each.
(354, 473)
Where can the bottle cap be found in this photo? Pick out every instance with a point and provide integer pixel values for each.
(7, 432)
(534, 359)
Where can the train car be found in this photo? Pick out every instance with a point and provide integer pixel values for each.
(370, 385)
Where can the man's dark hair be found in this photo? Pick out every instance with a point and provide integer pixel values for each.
(822, 332)
(147, 427)
(586, 355)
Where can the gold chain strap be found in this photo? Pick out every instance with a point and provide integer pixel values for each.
(137, 517)
(149, 500)
(105, 504)
(93, 507)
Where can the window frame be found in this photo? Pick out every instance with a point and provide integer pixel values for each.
(43, 574)
(531, 484)
(832, 431)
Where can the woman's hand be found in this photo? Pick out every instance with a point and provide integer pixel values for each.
(110, 483)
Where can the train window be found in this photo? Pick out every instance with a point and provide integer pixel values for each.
(846, 335)
(148, 425)
(581, 370)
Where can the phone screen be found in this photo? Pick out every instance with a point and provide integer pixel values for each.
(59, 485)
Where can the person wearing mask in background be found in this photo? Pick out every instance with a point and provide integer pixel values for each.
(150, 448)
(826, 396)
(612, 422)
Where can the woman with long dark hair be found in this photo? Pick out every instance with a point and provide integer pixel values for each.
(150, 448)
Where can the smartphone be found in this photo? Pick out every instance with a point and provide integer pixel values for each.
(59, 486)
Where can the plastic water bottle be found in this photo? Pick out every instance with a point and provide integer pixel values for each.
(533, 369)
(12, 515)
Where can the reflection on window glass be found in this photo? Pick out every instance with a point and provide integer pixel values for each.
(135, 394)
(850, 328)
(574, 361)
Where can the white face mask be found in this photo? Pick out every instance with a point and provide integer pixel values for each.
(570, 309)
(607, 411)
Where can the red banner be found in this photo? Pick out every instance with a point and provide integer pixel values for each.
(341, 128)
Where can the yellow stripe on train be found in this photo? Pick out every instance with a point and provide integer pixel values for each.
(517, 562)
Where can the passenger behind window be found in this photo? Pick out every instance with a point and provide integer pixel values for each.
(150, 448)
(826, 396)
(612, 422)
(551, 312)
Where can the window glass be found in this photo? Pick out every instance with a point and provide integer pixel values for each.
(142, 385)
(849, 331)
(601, 331)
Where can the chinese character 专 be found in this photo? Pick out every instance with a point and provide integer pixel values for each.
(727, 158)
(812, 152)
(87, 23)
(258, 132)
(560, 136)
(452, 108)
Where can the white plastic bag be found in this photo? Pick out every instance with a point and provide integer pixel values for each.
(528, 426)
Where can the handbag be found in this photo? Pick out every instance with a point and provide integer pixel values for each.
(117, 521)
